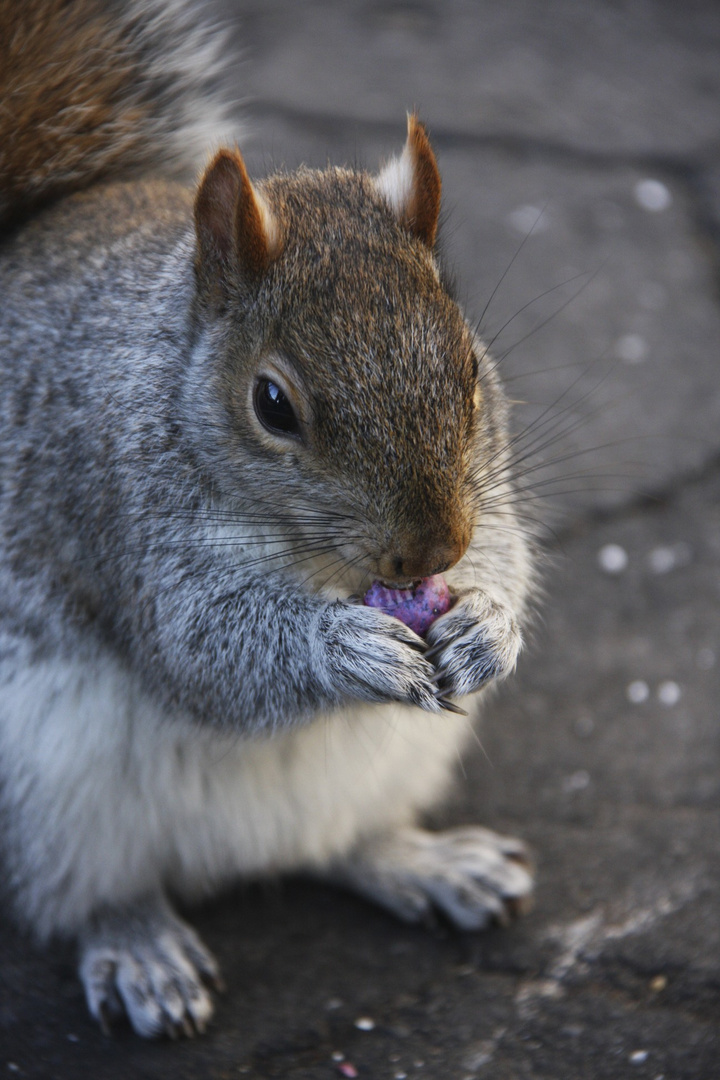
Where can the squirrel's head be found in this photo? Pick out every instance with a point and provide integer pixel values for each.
(353, 401)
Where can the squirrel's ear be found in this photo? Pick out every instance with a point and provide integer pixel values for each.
(411, 184)
(233, 224)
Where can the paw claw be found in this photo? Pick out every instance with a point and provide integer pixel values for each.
(374, 657)
(105, 1018)
(475, 642)
(450, 706)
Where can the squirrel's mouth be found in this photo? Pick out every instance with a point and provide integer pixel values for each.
(403, 585)
(418, 607)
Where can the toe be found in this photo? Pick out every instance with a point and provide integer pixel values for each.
(98, 972)
(144, 1011)
(469, 904)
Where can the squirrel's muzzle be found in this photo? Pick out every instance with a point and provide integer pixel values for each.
(422, 554)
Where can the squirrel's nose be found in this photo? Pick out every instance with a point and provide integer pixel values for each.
(416, 568)
(412, 562)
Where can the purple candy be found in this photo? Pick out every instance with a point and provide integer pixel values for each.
(418, 607)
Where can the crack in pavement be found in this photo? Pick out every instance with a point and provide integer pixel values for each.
(581, 941)
(687, 171)
(520, 144)
(662, 496)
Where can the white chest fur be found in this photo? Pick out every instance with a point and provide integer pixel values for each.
(112, 797)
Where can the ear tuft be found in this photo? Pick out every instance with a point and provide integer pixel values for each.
(233, 224)
(411, 184)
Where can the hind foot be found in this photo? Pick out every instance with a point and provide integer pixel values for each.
(472, 875)
(143, 961)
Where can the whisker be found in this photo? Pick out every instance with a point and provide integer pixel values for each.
(509, 266)
(488, 345)
(541, 325)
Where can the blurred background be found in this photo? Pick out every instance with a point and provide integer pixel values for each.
(579, 143)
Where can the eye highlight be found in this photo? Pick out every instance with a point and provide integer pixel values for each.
(273, 408)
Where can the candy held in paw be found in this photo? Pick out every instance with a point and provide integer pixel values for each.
(418, 607)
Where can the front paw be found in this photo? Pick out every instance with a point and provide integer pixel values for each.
(477, 641)
(371, 656)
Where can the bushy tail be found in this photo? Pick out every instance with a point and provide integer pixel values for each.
(97, 88)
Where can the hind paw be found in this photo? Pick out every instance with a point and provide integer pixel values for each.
(472, 875)
(144, 962)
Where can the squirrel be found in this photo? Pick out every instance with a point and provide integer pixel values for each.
(228, 407)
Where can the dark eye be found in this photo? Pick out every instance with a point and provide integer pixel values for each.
(274, 410)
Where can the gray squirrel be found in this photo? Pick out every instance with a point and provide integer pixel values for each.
(226, 411)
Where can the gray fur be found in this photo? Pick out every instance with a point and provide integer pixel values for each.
(189, 689)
